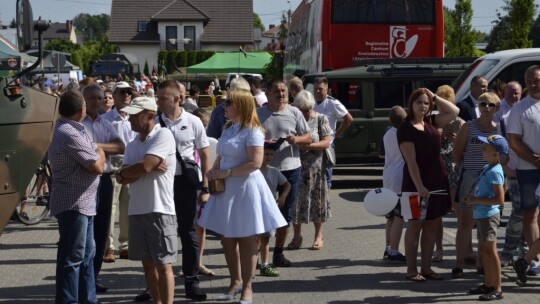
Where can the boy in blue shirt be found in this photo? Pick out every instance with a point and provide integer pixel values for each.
(488, 196)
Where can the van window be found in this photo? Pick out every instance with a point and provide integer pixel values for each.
(515, 71)
(348, 93)
(480, 67)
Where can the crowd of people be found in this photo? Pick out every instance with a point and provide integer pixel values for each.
(146, 157)
(475, 151)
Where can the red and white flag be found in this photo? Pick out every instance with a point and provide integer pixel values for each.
(410, 206)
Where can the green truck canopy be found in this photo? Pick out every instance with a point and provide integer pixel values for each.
(234, 62)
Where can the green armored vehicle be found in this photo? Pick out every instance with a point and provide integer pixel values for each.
(26, 118)
(372, 87)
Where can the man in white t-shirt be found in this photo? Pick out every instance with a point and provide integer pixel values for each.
(523, 130)
(189, 137)
(255, 87)
(334, 110)
(149, 164)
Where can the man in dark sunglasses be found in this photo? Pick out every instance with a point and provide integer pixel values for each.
(122, 93)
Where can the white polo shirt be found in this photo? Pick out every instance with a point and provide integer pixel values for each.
(153, 192)
(333, 109)
(524, 120)
(189, 134)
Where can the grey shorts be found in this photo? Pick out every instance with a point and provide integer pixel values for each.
(487, 228)
(152, 236)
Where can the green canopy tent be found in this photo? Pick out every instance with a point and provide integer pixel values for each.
(234, 62)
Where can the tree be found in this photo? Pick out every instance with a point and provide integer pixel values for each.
(449, 26)
(62, 45)
(534, 34)
(521, 15)
(283, 29)
(462, 38)
(257, 23)
(93, 27)
(13, 23)
(500, 35)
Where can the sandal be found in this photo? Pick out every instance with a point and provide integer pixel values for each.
(205, 271)
(317, 245)
(437, 256)
(457, 273)
(295, 245)
(482, 289)
(491, 296)
(415, 278)
(433, 276)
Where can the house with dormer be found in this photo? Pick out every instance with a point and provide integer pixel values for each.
(143, 28)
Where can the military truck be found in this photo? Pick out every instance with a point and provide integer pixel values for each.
(26, 120)
(117, 63)
(372, 87)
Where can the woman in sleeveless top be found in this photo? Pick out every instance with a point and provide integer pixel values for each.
(420, 143)
(467, 154)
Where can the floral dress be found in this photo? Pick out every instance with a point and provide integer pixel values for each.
(312, 204)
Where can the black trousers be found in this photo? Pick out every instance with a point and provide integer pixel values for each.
(185, 203)
(102, 219)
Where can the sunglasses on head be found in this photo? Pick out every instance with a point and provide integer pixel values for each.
(485, 104)
(228, 102)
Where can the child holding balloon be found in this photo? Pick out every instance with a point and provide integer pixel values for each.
(392, 178)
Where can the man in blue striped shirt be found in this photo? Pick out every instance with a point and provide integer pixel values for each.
(76, 164)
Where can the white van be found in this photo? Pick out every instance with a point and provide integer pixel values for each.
(504, 66)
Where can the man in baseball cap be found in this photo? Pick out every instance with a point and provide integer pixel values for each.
(139, 104)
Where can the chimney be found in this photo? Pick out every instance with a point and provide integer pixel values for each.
(69, 25)
(271, 26)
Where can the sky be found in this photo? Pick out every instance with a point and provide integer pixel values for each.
(269, 11)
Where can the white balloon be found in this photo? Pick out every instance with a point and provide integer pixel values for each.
(380, 201)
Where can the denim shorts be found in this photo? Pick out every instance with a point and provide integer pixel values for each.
(293, 177)
(528, 182)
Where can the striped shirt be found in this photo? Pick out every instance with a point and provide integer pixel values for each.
(71, 151)
(101, 131)
(472, 158)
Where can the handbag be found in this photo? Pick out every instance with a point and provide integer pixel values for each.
(216, 185)
(329, 156)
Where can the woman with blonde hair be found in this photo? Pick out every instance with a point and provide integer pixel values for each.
(246, 207)
(467, 154)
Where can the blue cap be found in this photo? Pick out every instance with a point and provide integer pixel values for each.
(496, 141)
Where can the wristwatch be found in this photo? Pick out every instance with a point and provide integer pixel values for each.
(205, 190)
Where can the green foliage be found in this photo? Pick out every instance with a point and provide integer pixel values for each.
(62, 45)
(146, 71)
(283, 28)
(534, 34)
(191, 58)
(91, 51)
(257, 23)
(521, 14)
(274, 69)
(93, 27)
(171, 60)
(449, 26)
(461, 40)
(181, 59)
(13, 23)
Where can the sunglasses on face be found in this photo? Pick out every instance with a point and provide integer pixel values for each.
(124, 92)
(485, 104)
(227, 102)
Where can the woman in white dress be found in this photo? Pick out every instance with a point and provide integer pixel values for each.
(247, 206)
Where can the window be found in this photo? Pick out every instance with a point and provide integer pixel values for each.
(378, 11)
(142, 25)
(171, 37)
(189, 36)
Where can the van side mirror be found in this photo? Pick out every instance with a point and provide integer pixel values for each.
(25, 25)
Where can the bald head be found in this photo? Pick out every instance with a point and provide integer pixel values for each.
(512, 92)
